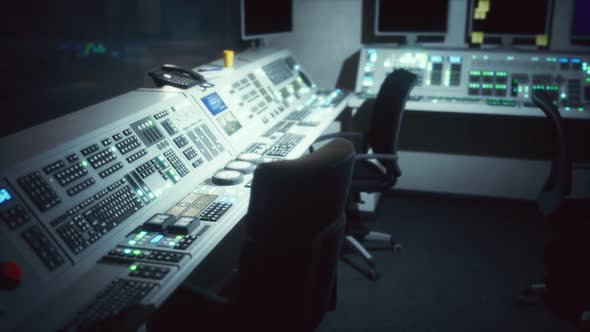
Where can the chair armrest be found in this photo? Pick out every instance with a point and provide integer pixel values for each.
(378, 156)
(344, 134)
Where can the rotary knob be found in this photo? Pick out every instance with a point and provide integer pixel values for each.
(227, 177)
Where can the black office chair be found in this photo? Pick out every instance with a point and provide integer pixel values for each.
(567, 256)
(381, 135)
(286, 278)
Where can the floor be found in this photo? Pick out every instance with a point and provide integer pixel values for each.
(463, 262)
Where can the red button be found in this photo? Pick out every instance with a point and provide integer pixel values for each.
(11, 271)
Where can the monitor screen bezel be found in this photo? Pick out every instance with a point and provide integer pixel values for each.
(547, 32)
(251, 37)
(408, 33)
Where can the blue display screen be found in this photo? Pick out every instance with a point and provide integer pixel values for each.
(214, 103)
(4, 195)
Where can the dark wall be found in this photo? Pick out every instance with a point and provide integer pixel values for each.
(60, 56)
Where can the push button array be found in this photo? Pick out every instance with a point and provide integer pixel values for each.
(81, 186)
(284, 145)
(149, 272)
(54, 166)
(43, 247)
(15, 216)
(91, 149)
(118, 295)
(70, 174)
(102, 158)
(136, 155)
(39, 191)
(175, 161)
(128, 144)
(215, 211)
(111, 170)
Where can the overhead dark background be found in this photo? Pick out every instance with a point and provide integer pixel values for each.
(60, 56)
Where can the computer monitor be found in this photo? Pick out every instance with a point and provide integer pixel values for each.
(423, 17)
(581, 20)
(262, 18)
(517, 18)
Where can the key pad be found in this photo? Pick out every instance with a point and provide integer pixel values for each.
(39, 191)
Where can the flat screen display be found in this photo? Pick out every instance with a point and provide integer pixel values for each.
(420, 16)
(266, 17)
(214, 103)
(581, 19)
(513, 17)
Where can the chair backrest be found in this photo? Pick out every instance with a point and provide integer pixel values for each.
(559, 181)
(383, 135)
(295, 226)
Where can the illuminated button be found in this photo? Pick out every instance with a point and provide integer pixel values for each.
(10, 275)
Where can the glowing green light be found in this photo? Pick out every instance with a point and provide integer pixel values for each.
(132, 242)
(535, 59)
(142, 233)
(137, 252)
(563, 96)
(567, 108)
(580, 109)
(133, 267)
(587, 79)
(84, 163)
(127, 251)
(551, 59)
(179, 237)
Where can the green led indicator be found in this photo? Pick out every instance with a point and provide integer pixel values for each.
(475, 73)
(84, 163)
(551, 59)
(133, 267)
(127, 251)
(179, 237)
(580, 109)
(535, 59)
(500, 86)
(563, 96)
(132, 242)
(137, 252)
(488, 73)
(487, 86)
(584, 65)
(502, 73)
(567, 108)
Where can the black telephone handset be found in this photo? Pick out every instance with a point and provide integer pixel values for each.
(176, 76)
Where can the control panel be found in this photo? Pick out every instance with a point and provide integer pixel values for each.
(116, 203)
(482, 81)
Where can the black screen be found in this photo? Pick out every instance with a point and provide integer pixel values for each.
(262, 17)
(581, 19)
(412, 16)
(517, 17)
